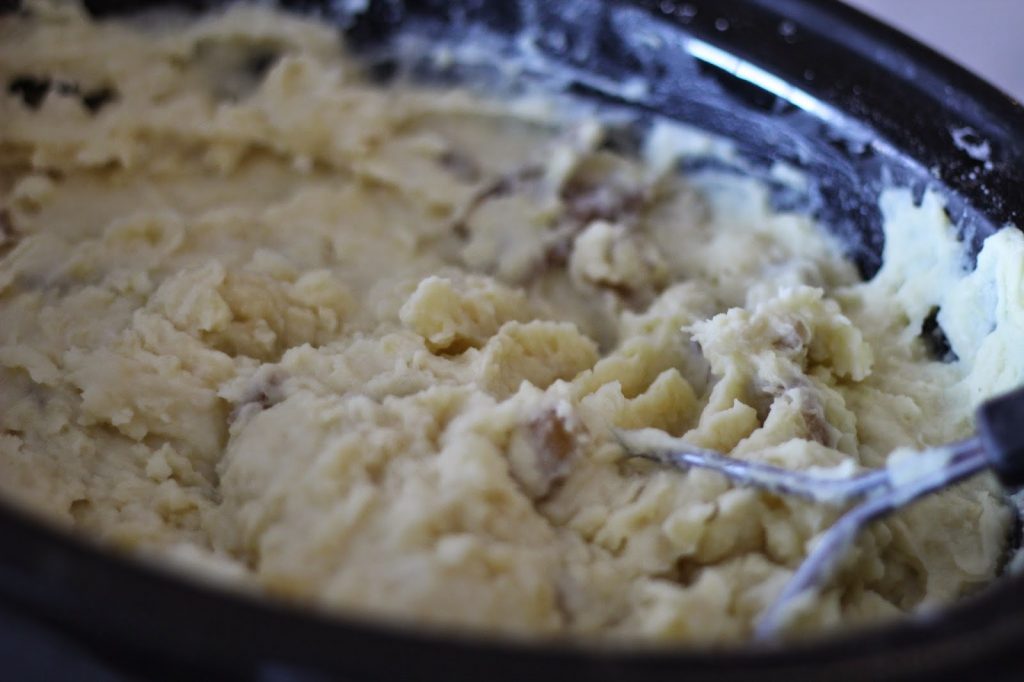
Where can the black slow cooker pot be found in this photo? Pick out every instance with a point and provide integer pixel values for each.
(811, 82)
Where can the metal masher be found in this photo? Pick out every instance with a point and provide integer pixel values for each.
(998, 445)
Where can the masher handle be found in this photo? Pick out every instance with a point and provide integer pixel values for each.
(1000, 423)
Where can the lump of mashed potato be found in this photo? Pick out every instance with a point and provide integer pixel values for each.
(363, 347)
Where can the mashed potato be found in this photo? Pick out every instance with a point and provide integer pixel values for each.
(363, 347)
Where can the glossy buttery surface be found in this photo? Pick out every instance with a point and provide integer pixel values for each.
(363, 347)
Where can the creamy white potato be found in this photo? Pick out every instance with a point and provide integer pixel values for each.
(363, 347)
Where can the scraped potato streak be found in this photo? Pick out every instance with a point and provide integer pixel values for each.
(363, 347)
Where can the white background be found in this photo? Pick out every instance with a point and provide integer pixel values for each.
(987, 36)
